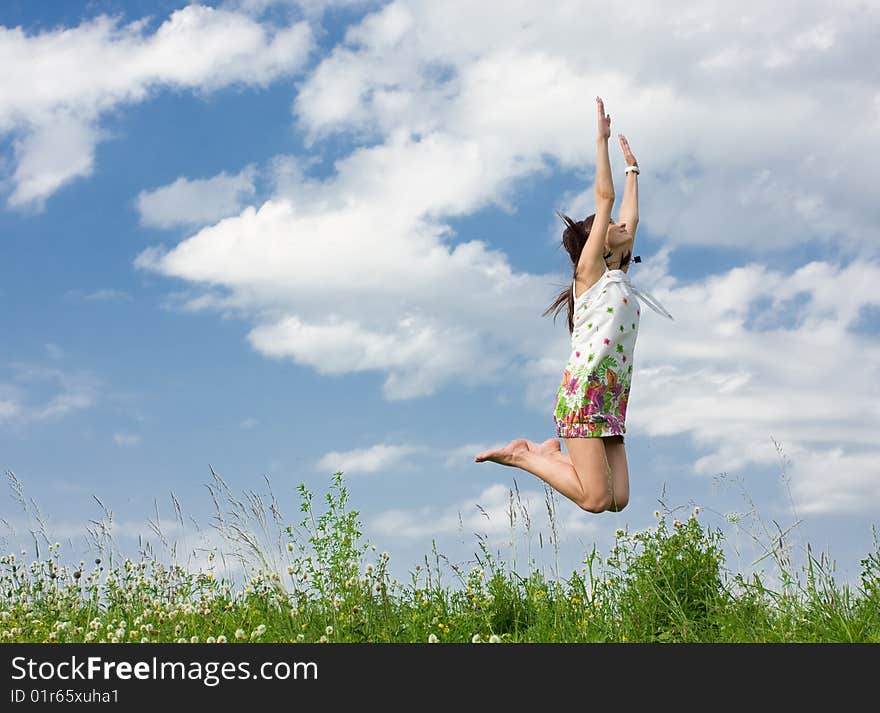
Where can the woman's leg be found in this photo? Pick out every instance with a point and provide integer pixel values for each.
(615, 451)
(586, 485)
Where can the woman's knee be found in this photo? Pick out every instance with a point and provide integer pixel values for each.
(595, 502)
(619, 503)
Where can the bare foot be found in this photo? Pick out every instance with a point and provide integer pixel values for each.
(550, 447)
(506, 455)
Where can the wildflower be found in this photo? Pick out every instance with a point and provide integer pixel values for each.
(619, 532)
(209, 640)
(194, 640)
(656, 513)
(697, 510)
(432, 639)
(475, 639)
(322, 640)
(239, 633)
(494, 639)
(300, 637)
(293, 613)
(677, 523)
(221, 639)
(259, 631)
(290, 547)
(328, 630)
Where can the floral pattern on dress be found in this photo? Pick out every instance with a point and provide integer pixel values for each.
(592, 403)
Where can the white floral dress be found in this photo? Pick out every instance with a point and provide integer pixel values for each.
(591, 400)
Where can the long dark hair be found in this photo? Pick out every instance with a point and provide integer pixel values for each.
(574, 237)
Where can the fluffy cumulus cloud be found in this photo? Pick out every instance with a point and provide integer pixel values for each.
(188, 202)
(365, 460)
(748, 122)
(57, 83)
(757, 354)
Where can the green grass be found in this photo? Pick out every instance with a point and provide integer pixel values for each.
(320, 581)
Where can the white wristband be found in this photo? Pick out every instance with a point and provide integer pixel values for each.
(633, 168)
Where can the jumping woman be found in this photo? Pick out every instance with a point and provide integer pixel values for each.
(603, 320)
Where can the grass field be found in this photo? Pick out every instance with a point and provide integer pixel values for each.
(319, 581)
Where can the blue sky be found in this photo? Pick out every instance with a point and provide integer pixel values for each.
(286, 238)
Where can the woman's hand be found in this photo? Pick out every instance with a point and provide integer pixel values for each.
(627, 152)
(604, 120)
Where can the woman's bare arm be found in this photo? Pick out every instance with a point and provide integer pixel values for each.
(593, 250)
(629, 207)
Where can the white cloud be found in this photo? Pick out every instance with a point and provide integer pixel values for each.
(71, 391)
(100, 295)
(365, 460)
(248, 423)
(8, 409)
(126, 439)
(55, 149)
(196, 202)
(58, 83)
(749, 359)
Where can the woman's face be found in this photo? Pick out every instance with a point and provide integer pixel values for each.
(616, 235)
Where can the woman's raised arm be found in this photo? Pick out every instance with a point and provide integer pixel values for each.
(593, 250)
(629, 208)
